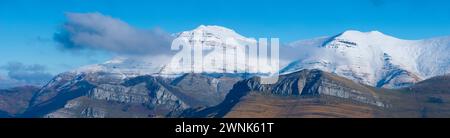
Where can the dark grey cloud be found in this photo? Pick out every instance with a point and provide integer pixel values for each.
(95, 31)
(26, 74)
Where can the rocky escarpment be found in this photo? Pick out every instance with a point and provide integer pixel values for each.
(315, 83)
(305, 83)
(109, 95)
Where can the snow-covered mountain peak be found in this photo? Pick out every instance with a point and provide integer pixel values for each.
(353, 38)
(213, 39)
(214, 28)
(374, 58)
(356, 34)
(212, 33)
(359, 33)
(208, 36)
(125, 67)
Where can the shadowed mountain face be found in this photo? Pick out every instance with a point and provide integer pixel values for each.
(15, 100)
(313, 93)
(106, 95)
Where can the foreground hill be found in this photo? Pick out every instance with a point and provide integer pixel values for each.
(314, 93)
(15, 100)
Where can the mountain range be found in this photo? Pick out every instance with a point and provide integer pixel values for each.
(352, 74)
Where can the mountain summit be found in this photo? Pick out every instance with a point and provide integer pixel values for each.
(374, 58)
(214, 40)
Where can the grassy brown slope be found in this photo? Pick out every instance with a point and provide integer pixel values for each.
(15, 100)
(244, 101)
(264, 106)
(401, 103)
(430, 98)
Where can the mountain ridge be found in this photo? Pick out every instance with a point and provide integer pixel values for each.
(374, 58)
(371, 58)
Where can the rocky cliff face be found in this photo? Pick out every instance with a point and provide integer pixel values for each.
(108, 95)
(313, 93)
(315, 83)
(305, 83)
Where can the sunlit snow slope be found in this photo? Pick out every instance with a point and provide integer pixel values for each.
(374, 58)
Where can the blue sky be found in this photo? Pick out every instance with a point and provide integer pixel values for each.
(27, 27)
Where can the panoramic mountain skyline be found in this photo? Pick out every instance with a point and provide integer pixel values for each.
(33, 34)
(369, 73)
(291, 60)
(224, 67)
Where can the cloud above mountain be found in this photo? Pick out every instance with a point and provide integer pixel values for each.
(22, 74)
(95, 31)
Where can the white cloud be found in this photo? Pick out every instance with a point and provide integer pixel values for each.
(96, 31)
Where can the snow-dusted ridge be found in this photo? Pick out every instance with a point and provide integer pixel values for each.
(374, 58)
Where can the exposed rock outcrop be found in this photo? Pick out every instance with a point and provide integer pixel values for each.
(108, 95)
(305, 83)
